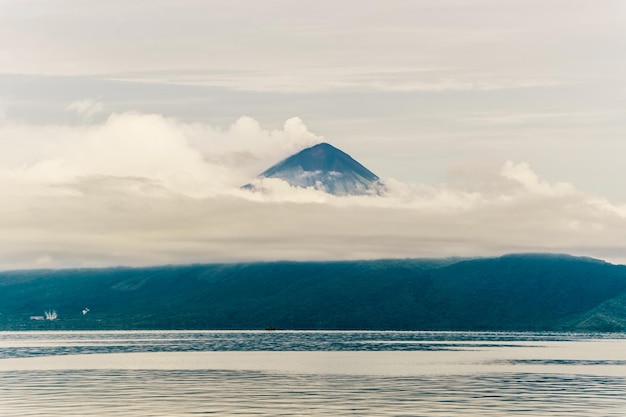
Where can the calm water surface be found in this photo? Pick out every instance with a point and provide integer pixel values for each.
(311, 374)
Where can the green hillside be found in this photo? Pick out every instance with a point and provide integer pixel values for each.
(514, 292)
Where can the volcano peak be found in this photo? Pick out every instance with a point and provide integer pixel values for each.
(328, 169)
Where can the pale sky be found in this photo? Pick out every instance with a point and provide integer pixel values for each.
(127, 127)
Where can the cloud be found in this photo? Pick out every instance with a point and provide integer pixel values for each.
(320, 46)
(193, 160)
(144, 189)
(323, 80)
(86, 108)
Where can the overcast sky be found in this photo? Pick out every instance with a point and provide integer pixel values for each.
(127, 127)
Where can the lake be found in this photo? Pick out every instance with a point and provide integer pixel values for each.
(297, 373)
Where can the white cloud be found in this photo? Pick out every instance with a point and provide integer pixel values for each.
(86, 108)
(311, 79)
(529, 180)
(142, 189)
(189, 159)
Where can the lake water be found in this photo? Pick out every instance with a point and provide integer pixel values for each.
(231, 373)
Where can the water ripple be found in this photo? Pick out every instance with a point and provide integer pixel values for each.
(32, 344)
(230, 393)
(486, 374)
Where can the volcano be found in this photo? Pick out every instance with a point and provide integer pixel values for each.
(327, 169)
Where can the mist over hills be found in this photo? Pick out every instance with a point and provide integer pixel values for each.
(513, 292)
(327, 169)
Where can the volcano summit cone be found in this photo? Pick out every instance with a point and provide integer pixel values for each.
(325, 168)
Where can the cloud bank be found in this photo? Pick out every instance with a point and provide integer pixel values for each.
(144, 189)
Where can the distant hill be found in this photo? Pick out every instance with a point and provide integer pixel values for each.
(325, 168)
(514, 292)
